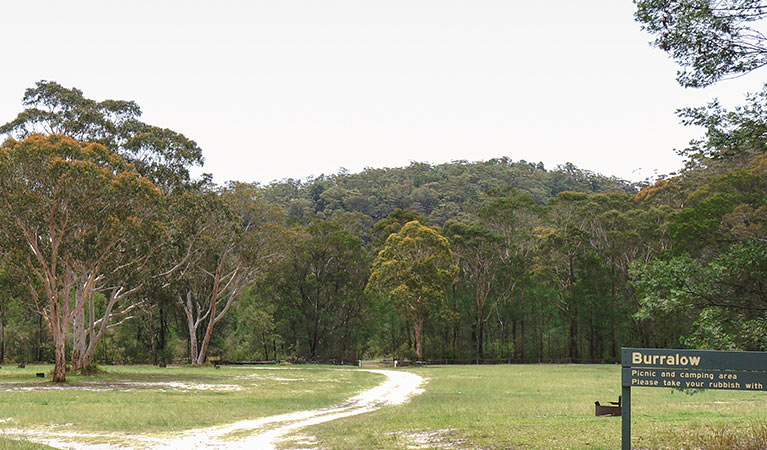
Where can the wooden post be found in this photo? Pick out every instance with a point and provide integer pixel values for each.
(625, 401)
(626, 418)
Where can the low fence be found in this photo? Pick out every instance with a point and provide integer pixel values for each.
(329, 362)
(431, 362)
(481, 361)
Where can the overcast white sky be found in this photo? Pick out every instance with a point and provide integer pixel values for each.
(286, 88)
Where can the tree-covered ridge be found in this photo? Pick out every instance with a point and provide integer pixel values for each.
(492, 260)
(440, 192)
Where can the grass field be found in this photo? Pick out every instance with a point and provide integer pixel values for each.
(539, 407)
(488, 407)
(143, 399)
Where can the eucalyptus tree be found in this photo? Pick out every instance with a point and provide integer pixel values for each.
(713, 275)
(563, 243)
(711, 39)
(513, 218)
(393, 223)
(412, 270)
(479, 259)
(731, 136)
(70, 216)
(219, 243)
(319, 290)
(159, 154)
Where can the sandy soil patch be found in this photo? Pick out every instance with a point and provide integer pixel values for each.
(123, 386)
(432, 439)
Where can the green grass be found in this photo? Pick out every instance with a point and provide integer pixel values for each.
(540, 407)
(138, 399)
(488, 407)
(17, 444)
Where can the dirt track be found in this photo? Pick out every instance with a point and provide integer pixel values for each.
(261, 433)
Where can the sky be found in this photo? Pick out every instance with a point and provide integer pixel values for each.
(293, 89)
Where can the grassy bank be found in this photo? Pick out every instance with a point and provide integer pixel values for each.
(157, 400)
(539, 407)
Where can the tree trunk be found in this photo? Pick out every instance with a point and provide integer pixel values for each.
(592, 339)
(203, 354)
(515, 349)
(163, 333)
(60, 369)
(522, 338)
(78, 339)
(153, 338)
(572, 344)
(40, 334)
(266, 346)
(409, 337)
(58, 332)
(58, 328)
(481, 338)
(2, 336)
(192, 336)
(418, 329)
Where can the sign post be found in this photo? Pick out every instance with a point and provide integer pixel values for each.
(687, 369)
(626, 418)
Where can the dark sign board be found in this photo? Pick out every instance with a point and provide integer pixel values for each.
(687, 369)
(693, 359)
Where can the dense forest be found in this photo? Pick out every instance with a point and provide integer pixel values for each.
(111, 253)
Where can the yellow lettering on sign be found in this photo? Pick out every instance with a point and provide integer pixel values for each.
(669, 360)
(694, 360)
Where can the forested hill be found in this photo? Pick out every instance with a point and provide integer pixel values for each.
(440, 192)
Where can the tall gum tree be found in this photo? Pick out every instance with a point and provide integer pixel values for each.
(412, 270)
(159, 154)
(478, 258)
(321, 287)
(219, 244)
(513, 219)
(70, 212)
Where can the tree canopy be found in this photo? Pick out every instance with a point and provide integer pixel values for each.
(72, 215)
(159, 154)
(413, 270)
(710, 39)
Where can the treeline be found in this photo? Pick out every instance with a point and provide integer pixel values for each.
(110, 253)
